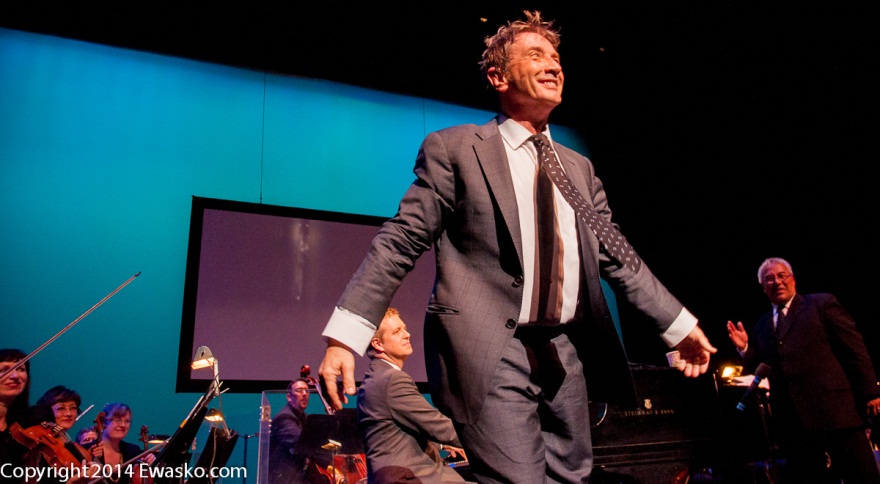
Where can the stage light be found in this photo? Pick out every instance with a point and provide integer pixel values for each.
(203, 358)
(729, 372)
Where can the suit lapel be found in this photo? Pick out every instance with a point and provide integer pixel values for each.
(792, 313)
(492, 157)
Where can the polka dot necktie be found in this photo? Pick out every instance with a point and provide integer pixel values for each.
(612, 240)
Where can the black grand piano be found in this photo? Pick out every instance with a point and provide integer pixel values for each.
(682, 430)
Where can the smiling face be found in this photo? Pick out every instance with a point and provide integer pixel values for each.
(117, 426)
(13, 385)
(531, 85)
(65, 414)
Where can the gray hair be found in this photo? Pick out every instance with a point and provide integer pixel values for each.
(769, 262)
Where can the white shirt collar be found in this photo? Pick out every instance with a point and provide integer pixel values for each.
(515, 134)
(391, 364)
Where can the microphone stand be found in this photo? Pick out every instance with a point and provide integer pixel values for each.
(244, 463)
(770, 468)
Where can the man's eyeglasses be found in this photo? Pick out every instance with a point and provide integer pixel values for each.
(781, 277)
(300, 390)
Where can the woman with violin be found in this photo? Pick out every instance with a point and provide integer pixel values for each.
(14, 396)
(63, 403)
(124, 458)
(52, 417)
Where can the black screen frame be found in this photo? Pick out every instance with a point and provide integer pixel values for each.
(189, 381)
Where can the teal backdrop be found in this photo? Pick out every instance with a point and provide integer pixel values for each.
(101, 152)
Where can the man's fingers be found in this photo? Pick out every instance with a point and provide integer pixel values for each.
(338, 361)
(348, 382)
(332, 394)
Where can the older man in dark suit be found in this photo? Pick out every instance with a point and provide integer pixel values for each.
(822, 383)
(403, 433)
(517, 319)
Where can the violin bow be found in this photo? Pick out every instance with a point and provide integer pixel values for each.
(83, 412)
(83, 315)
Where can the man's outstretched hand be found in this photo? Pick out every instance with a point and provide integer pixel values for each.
(695, 351)
(338, 360)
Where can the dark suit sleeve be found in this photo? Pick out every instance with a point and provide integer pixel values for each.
(849, 348)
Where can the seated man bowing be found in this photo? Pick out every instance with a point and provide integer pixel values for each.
(402, 432)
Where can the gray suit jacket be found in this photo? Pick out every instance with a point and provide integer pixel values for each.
(399, 427)
(463, 203)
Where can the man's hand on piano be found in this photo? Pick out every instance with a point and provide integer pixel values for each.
(695, 351)
(455, 453)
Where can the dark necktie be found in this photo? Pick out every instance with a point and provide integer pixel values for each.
(546, 304)
(612, 240)
(780, 316)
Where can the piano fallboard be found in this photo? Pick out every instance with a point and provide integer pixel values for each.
(674, 420)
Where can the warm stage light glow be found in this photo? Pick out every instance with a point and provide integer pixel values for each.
(729, 372)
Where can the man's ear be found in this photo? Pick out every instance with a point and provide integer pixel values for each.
(496, 79)
(376, 344)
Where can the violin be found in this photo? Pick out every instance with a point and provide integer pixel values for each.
(52, 442)
(136, 476)
(99, 426)
(144, 437)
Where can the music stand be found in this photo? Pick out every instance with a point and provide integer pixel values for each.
(216, 453)
(319, 430)
(176, 452)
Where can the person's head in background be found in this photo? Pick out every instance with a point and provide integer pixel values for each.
(298, 393)
(86, 437)
(15, 388)
(64, 403)
(117, 421)
(392, 340)
(777, 280)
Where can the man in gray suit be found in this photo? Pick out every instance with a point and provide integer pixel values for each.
(508, 367)
(403, 433)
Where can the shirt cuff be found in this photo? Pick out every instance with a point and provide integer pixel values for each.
(680, 328)
(349, 329)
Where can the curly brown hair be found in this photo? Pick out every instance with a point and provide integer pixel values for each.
(497, 45)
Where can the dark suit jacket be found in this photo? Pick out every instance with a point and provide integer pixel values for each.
(820, 369)
(400, 427)
(463, 203)
(284, 465)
